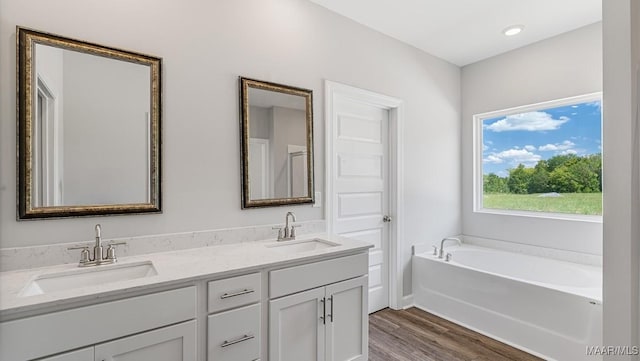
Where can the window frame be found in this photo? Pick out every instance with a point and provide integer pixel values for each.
(478, 141)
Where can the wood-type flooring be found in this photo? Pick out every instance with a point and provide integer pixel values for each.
(415, 335)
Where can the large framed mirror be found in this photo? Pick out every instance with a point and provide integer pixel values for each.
(89, 121)
(276, 144)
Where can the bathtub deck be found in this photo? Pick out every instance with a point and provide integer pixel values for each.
(415, 335)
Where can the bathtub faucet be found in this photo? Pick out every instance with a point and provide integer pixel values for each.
(441, 254)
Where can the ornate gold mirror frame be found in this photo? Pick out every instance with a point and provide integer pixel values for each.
(26, 41)
(280, 96)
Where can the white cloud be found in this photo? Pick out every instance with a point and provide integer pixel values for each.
(568, 151)
(493, 159)
(574, 106)
(596, 104)
(484, 147)
(567, 144)
(531, 121)
(530, 148)
(514, 157)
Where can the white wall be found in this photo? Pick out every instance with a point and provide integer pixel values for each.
(205, 46)
(566, 65)
(621, 259)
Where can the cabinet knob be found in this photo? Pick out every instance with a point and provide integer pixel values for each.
(386, 219)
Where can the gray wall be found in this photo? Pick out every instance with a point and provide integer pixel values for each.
(205, 46)
(289, 127)
(105, 130)
(260, 123)
(566, 65)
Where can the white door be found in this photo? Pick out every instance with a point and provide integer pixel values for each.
(361, 186)
(296, 327)
(173, 343)
(347, 325)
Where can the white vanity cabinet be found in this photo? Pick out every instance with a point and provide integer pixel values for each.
(312, 307)
(91, 329)
(173, 343)
(326, 322)
(85, 354)
(234, 328)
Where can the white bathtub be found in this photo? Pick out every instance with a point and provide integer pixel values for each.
(549, 308)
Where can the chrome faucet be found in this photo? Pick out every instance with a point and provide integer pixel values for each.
(441, 253)
(97, 249)
(98, 258)
(289, 231)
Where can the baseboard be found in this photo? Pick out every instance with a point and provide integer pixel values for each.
(407, 301)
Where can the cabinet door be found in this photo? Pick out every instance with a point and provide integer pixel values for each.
(173, 343)
(296, 327)
(85, 354)
(347, 320)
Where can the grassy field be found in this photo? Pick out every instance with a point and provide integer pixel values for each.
(575, 203)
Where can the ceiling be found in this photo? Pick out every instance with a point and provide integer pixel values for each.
(466, 31)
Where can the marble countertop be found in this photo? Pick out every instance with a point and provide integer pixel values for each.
(172, 268)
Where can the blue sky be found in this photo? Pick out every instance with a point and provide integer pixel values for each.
(529, 137)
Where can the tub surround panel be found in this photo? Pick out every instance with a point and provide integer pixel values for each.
(532, 250)
(515, 247)
(55, 254)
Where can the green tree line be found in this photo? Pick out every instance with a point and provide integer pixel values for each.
(562, 173)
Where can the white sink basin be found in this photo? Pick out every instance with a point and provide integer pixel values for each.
(83, 277)
(304, 245)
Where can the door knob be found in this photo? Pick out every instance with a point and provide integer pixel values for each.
(386, 219)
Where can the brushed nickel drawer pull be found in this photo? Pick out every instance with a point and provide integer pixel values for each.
(239, 293)
(241, 339)
(331, 314)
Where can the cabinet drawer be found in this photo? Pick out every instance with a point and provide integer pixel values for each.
(93, 324)
(234, 292)
(234, 335)
(307, 276)
(85, 354)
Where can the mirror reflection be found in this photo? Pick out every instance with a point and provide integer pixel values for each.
(89, 128)
(276, 144)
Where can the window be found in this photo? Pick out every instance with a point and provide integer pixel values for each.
(541, 159)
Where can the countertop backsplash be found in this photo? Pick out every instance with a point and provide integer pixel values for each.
(49, 255)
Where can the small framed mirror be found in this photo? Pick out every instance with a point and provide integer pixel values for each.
(276, 124)
(88, 128)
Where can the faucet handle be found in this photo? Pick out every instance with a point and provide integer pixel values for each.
(280, 231)
(435, 250)
(111, 250)
(84, 254)
(78, 247)
(292, 234)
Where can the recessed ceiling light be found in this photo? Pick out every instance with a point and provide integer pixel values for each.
(513, 30)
